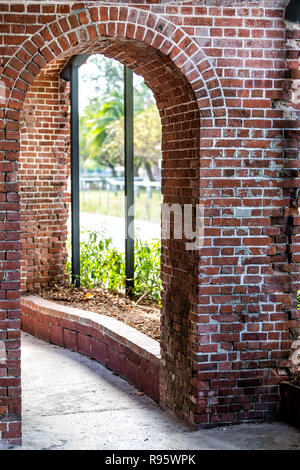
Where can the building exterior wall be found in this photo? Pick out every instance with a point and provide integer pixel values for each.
(224, 75)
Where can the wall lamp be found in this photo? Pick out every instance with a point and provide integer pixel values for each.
(292, 12)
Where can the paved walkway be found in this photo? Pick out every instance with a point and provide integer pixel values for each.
(72, 402)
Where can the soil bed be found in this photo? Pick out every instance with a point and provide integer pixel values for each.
(144, 317)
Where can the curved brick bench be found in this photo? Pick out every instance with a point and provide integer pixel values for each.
(126, 351)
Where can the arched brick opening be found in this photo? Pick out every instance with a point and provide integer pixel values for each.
(187, 94)
(228, 320)
(79, 33)
(43, 225)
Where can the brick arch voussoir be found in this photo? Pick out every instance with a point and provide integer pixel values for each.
(85, 27)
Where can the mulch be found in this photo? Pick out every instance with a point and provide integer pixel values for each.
(143, 316)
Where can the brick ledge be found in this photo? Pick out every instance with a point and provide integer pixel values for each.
(121, 348)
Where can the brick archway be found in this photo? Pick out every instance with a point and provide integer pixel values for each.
(229, 316)
(77, 32)
(188, 95)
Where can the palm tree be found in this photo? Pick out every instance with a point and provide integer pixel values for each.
(112, 110)
(102, 112)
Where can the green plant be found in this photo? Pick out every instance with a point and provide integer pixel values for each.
(102, 265)
(147, 281)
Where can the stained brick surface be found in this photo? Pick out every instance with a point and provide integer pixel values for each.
(225, 76)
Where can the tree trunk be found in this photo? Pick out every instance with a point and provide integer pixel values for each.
(114, 173)
(136, 170)
(149, 171)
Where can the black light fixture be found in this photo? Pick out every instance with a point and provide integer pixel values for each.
(292, 12)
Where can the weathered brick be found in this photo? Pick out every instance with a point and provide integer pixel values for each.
(223, 62)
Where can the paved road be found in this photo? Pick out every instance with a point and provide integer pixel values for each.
(72, 402)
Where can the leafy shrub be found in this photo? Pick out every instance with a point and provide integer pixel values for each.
(147, 269)
(102, 265)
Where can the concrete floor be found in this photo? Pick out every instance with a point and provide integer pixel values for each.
(72, 402)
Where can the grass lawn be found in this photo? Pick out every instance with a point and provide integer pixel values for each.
(108, 203)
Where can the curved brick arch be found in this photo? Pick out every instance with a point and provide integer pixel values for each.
(76, 31)
(188, 96)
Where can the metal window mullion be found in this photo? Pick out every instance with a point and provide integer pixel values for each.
(129, 179)
(75, 190)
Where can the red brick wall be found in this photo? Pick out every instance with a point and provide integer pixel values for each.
(43, 174)
(222, 76)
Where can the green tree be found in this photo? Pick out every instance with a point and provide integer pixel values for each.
(147, 140)
(112, 110)
(96, 124)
